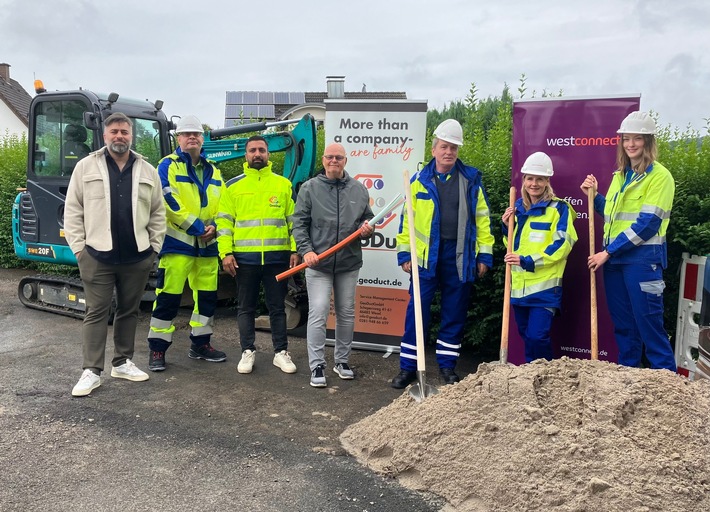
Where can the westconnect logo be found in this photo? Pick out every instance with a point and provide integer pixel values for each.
(584, 141)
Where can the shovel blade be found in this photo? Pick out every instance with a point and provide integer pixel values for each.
(416, 391)
(420, 390)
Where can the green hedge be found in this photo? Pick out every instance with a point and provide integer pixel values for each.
(13, 163)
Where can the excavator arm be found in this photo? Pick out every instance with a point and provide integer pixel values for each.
(299, 145)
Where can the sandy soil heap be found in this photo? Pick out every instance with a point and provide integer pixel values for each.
(565, 435)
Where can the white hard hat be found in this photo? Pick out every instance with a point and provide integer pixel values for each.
(638, 122)
(538, 164)
(450, 131)
(189, 124)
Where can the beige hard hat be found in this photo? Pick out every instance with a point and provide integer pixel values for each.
(189, 124)
(638, 122)
(450, 131)
(538, 164)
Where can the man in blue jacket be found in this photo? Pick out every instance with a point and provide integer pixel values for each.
(454, 246)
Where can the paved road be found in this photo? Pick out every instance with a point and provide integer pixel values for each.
(198, 436)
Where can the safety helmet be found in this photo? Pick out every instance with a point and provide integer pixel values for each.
(638, 122)
(189, 124)
(538, 164)
(450, 131)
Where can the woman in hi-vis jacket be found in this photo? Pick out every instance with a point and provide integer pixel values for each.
(543, 237)
(636, 210)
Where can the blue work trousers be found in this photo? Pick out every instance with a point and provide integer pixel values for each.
(534, 325)
(454, 305)
(634, 294)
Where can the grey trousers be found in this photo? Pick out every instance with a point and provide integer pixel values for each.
(99, 280)
(320, 284)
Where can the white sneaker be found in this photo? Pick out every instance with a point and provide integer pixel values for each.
(88, 382)
(129, 371)
(246, 364)
(283, 360)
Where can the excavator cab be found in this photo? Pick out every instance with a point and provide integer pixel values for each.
(64, 127)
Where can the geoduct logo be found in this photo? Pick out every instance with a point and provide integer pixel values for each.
(274, 202)
(583, 141)
(371, 181)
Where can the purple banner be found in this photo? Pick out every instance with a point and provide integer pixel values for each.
(580, 137)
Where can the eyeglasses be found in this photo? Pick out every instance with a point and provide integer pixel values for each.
(337, 158)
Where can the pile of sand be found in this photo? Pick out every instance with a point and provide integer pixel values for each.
(565, 435)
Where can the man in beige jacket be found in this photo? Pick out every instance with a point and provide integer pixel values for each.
(114, 222)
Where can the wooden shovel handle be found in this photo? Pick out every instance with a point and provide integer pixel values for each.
(506, 291)
(416, 295)
(592, 280)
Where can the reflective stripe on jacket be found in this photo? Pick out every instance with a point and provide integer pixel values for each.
(474, 243)
(543, 238)
(636, 216)
(191, 204)
(255, 218)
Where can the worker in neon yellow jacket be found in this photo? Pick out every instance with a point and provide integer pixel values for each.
(543, 237)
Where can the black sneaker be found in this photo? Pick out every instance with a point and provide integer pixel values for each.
(207, 353)
(448, 375)
(156, 361)
(404, 379)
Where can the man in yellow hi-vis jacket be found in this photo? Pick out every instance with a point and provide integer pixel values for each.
(255, 243)
(192, 186)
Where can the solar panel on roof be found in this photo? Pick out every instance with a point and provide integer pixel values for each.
(266, 98)
(233, 110)
(266, 111)
(234, 97)
(251, 97)
(281, 97)
(297, 97)
(250, 111)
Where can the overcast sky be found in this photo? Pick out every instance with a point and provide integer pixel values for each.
(189, 53)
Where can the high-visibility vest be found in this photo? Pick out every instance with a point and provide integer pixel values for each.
(543, 237)
(636, 216)
(475, 241)
(255, 217)
(191, 203)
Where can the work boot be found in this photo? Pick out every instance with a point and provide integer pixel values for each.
(207, 353)
(156, 361)
(404, 379)
(246, 364)
(448, 375)
(283, 360)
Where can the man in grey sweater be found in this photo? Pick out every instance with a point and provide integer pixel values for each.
(331, 206)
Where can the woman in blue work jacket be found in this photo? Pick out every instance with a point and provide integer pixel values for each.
(543, 237)
(636, 210)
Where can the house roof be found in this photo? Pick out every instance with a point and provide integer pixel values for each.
(244, 105)
(16, 98)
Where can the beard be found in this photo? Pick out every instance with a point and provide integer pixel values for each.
(257, 164)
(119, 147)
